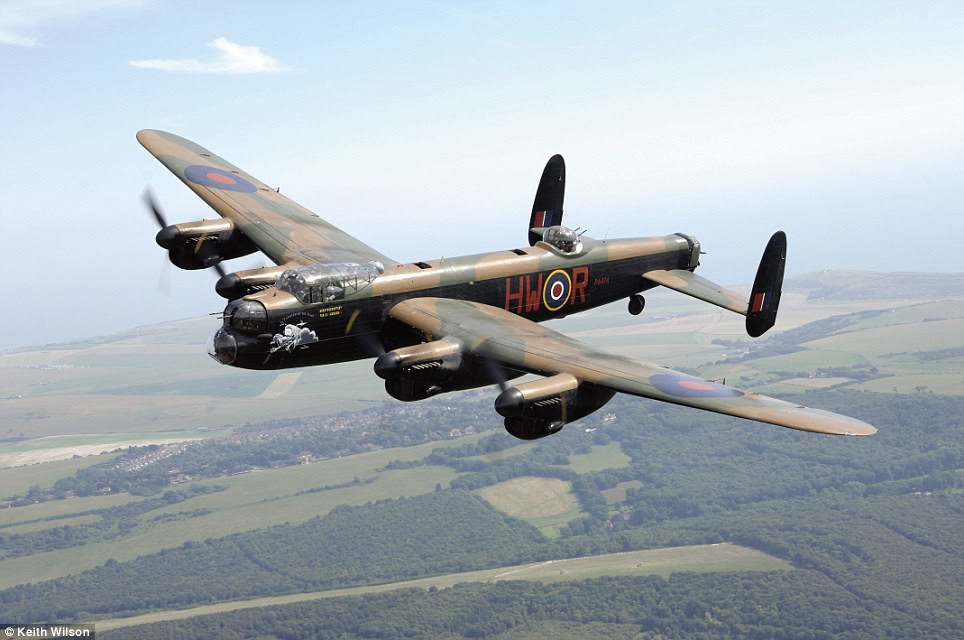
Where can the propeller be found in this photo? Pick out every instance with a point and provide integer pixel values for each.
(151, 203)
(148, 198)
(199, 250)
(372, 345)
(164, 278)
(495, 372)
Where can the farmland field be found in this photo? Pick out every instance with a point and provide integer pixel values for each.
(546, 503)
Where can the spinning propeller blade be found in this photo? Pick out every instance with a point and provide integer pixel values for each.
(151, 203)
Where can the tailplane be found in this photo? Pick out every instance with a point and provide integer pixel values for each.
(760, 310)
(547, 207)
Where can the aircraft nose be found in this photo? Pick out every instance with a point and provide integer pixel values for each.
(222, 346)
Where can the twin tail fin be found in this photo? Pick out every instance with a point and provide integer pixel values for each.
(547, 207)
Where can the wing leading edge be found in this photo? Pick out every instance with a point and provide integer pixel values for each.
(282, 229)
(521, 344)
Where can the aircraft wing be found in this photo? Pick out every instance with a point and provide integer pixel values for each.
(517, 343)
(284, 230)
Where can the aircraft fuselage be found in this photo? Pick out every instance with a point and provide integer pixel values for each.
(539, 283)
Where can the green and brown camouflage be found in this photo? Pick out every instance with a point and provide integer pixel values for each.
(456, 322)
(282, 229)
(491, 333)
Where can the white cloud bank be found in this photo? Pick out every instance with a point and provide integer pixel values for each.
(232, 58)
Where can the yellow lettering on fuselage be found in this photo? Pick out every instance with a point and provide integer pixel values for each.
(327, 312)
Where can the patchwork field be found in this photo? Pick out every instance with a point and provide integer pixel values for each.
(261, 499)
(248, 501)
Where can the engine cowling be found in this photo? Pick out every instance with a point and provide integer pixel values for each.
(203, 244)
(423, 370)
(241, 283)
(542, 407)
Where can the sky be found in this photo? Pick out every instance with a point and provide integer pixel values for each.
(422, 129)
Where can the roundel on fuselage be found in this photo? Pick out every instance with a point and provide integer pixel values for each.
(555, 292)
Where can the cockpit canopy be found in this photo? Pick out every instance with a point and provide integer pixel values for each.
(316, 283)
(562, 238)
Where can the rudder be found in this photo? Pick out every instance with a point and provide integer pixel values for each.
(761, 314)
(547, 207)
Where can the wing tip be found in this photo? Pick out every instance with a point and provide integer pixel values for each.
(148, 137)
(863, 429)
(838, 425)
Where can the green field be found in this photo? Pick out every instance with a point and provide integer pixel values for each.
(608, 456)
(17, 480)
(545, 503)
(249, 501)
(662, 562)
(54, 510)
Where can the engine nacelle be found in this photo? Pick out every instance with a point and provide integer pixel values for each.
(427, 362)
(199, 245)
(423, 370)
(240, 283)
(542, 407)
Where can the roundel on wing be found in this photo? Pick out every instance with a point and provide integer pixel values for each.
(555, 292)
(686, 387)
(217, 179)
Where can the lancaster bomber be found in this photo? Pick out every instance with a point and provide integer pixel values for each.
(456, 323)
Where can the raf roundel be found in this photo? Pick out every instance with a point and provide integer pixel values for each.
(556, 291)
(685, 387)
(217, 179)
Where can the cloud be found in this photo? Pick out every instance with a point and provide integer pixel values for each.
(232, 58)
(21, 19)
(7, 37)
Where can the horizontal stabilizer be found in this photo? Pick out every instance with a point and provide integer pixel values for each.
(760, 310)
(761, 313)
(547, 207)
(693, 285)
